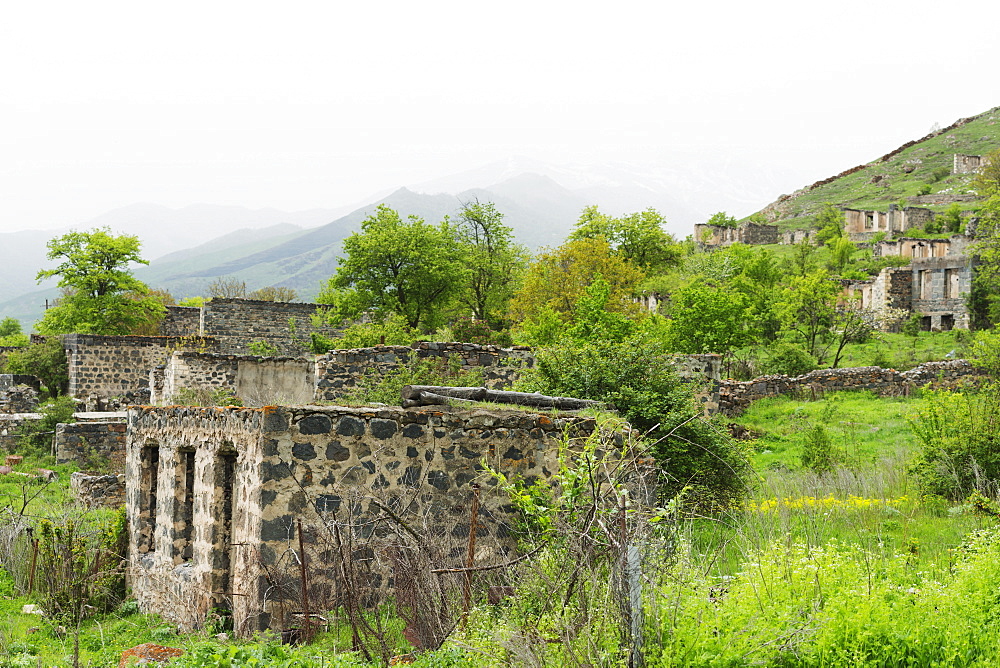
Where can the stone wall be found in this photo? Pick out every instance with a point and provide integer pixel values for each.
(705, 372)
(214, 497)
(940, 286)
(735, 396)
(106, 491)
(752, 234)
(939, 199)
(255, 380)
(339, 371)
(98, 445)
(104, 367)
(957, 244)
(863, 225)
(18, 394)
(792, 237)
(181, 321)
(285, 326)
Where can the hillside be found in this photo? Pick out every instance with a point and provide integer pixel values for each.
(918, 167)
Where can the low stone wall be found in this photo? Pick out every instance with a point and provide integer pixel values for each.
(92, 445)
(94, 490)
(339, 371)
(214, 497)
(705, 373)
(10, 428)
(257, 381)
(735, 396)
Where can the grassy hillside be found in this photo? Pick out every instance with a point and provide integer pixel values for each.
(920, 167)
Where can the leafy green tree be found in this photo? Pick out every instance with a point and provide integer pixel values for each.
(100, 294)
(45, 359)
(808, 308)
(11, 335)
(952, 220)
(493, 260)
(830, 223)
(986, 283)
(841, 249)
(638, 237)
(592, 321)
(407, 267)
(558, 278)
(707, 319)
(722, 219)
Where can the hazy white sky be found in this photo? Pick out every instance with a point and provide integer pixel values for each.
(298, 105)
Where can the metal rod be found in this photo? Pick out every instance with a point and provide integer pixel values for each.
(305, 586)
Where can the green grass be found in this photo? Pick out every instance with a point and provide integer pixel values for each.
(902, 352)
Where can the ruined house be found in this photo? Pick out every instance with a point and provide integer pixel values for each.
(861, 226)
(935, 284)
(751, 234)
(218, 500)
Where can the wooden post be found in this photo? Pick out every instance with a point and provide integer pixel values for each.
(471, 556)
(305, 586)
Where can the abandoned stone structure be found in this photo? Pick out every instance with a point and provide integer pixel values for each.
(339, 371)
(752, 234)
(935, 284)
(18, 394)
(215, 497)
(237, 323)
(92, 444)
(737, 395)
(863, 225)
(792, 237)
(966, 164)
(255, 379)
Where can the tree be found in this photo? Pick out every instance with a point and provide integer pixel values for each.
(706, 319)
(722, 219)
(808, 307)
(841, 249)
(100, 294)
(10, 333)
(45, 359)
(405, 267)
(494, 261)
(558, 278)
(986, 283)
(830, 223)
(274, 293)
(637, 237)
(226, 287)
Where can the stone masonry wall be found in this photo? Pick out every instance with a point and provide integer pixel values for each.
(106, 491)
(181, 321)
(255, 380)
(18, 394)
(362, 468)
(92, 445)
(101, 367)
(239, 322)
(339, 371)
(735, 396)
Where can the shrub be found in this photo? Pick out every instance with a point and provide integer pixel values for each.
(959, 435)
(392, 331)
(637, 378)
(790, 360)
(819, 453)
(384, 388)
(45, 359)
(36, 435)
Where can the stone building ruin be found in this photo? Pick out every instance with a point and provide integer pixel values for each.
(863, 225)
(215, 498)
(720, 236)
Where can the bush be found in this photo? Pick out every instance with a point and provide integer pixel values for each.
(45, 359)
(959, 435)
(36, 435)
(790, 360)
(819, 453)
(392, 331)
(384, 388)
(637, 378)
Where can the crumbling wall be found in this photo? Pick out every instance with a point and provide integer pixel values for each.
(285, 326)
(339, 371)
(98, 445)
(281, 465)
(18, 394)
(103, 367)
(106, 491)
(748, 233)
(966, 164)
(735, 396)
(704, 372)
(256, 380)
